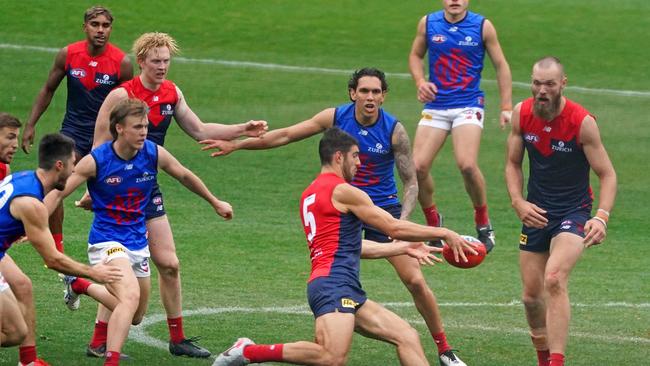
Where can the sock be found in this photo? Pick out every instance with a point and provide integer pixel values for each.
(112, 358)
(80, 286)
(481, 215)
(100, 334)
(27, 354)
(432, 216)
(557, 359)
(441, 342)
(542, 357)
(175, 326)
(263, 352)
(58, 241)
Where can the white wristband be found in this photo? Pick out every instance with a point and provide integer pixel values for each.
(601, 221)
(603, 211)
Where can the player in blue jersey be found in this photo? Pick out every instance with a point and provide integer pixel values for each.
(384, 145)
(23, 213)
(121, 175)
(332, 211)
(455, 41)
(563, 144)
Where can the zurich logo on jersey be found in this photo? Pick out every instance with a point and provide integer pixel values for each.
(166, 110)
(103, 79)
(438, 38)
(560, 146)
(468, 42)
(78, 73)
(378, 149)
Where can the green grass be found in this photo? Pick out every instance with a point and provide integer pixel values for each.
(260, 258)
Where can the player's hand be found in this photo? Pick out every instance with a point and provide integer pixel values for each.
(21, 240)
(530, 214)
(596, 232)
(28, 138)
(255, 128)
(224, 147)
(104, 273)
(504, 118)
(422, 252)
(85, 202)
(458, 245)
(223, 209)
(427, 91)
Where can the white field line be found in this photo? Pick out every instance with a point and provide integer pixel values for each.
(323, 70)
(140, 335)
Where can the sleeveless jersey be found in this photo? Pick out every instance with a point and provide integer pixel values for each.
(90, 79)
(120, 192)
(456, 52)
(559, 171)
(19, 184)
(375, 176)
(3, 170)
(161, 102)
(334, 238)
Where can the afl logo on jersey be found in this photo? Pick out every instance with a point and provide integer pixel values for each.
(438, 38)
(531, 138)
(113, 180)
(78, 73)
(166, 110)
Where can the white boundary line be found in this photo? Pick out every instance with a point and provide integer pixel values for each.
(322, 70)
(140, 335)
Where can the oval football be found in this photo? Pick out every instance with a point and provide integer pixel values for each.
(473, 260)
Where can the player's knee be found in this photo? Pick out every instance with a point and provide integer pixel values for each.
(554, 283)
(22, 288)
(14, 332)
(131, 299)
(532, 302)
(421, 169)
(468, 170)
(416, 285)
(407, 336)
(169, 267)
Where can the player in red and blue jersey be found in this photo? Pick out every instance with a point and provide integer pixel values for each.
(383, 145)
(9, 130)
(455, 41)
(22, 213)
(121, 176)
(153, 52)
(332, 211)
(563, 144)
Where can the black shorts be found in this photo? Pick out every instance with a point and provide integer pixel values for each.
(375, 234)
(328, 295)
(156, 206)
(539, 240)
(82, 142)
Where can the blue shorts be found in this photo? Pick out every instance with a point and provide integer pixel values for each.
(156, 206)
(374, 234)
(328, 295)
(539, 240)
(83, 142)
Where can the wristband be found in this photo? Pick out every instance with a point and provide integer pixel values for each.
(600, 220)
(603, 211)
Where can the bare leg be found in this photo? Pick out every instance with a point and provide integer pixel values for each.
(21, 286)
(163, 254)
(467, 141)
(12, 324)
(426, 145)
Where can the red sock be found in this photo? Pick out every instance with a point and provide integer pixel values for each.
(80, 286)
(432, 216)
(263, 352)
(481, 215)
(27, 354)
(441, 342)
(58, 241)
(112, 358)
(100, 334)
(542, 357)
(175, 326)
(557, 359)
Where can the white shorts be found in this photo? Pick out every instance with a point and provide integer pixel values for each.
(446, 119)
(3, 284)
(109, 250)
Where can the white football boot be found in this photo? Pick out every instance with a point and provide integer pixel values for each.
(70, 297)
(234, 356)
(449, 358)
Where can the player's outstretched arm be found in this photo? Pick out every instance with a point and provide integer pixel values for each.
(34, 217)
(418, 250)
(426, 89)
(504, 76)
(43, 99)
(83, 171)
(530, 214)
(596, 228)
(171, 166)
(282, 136)
(405, 169)
(102, 124)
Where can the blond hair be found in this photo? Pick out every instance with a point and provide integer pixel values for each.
(149, 41)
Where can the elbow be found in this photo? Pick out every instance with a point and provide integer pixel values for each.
(53, 263)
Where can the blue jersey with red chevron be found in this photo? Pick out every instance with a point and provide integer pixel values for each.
(19, 184)
(161, 102)
(559, 171)
(456, 53)
(120, 190)
(376, 175)
(334, 237)
(90, 79)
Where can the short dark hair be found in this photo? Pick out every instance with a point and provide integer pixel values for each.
(125, 108)
(52, 148)
(334, 139)
(367, 71)
(7, 120)
(96, 11)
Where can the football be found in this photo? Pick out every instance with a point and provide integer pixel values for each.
(473, 260)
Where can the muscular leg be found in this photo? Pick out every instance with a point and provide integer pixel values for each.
(163, 254)
(426, 145)
(467, 141)
(566, 249)
(145, 289)
(375, 321)
(12, 324)
(532, 267)
(21, 286)
(127, 291)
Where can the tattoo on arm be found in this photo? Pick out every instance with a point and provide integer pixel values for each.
(406, 169)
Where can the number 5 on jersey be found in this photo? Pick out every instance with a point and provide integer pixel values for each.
(308, 216)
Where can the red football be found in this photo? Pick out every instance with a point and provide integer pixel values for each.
(473, 260)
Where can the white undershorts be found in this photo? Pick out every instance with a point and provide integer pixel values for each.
(447, 119)
(109, 250)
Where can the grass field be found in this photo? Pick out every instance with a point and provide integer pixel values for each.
(247, 277)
